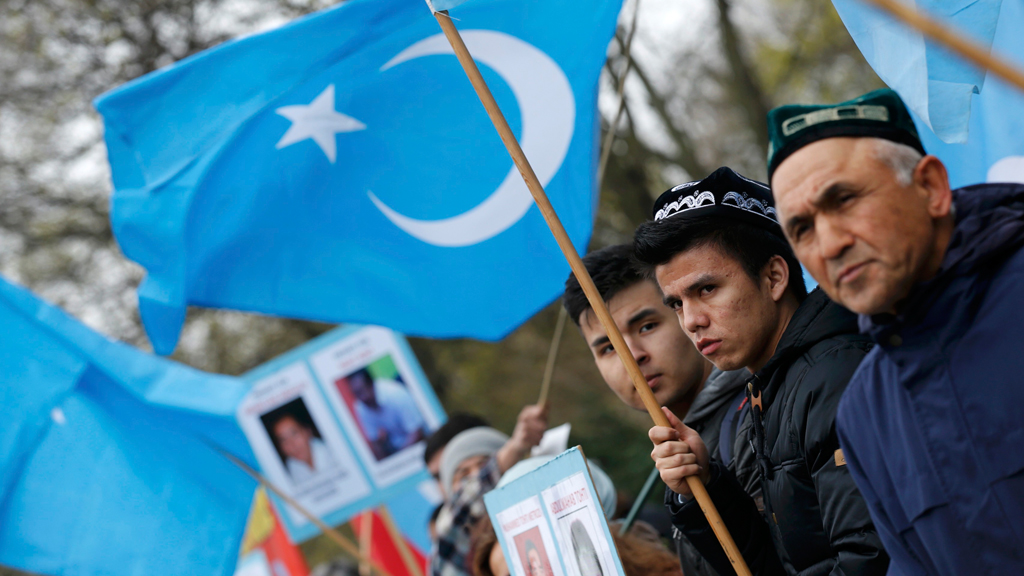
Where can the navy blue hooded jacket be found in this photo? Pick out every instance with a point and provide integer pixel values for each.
(932, 423)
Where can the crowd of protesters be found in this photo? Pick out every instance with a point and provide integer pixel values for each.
(864, 427)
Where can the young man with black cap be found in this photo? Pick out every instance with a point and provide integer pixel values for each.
(722, 263)
(930, 423)
(710, 401)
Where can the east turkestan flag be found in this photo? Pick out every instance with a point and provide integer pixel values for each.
(342, 169)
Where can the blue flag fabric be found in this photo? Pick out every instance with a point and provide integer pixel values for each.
(105, 466)
(994, 151)
(935, 84)
(342, 169)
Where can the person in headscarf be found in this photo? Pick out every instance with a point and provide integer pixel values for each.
(471, 465)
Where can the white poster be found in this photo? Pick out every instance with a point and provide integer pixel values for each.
(525, 532)
(579, 527)
(298, 443)
(380, 401)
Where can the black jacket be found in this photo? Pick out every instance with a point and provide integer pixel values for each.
(815, 516)
(708, 416)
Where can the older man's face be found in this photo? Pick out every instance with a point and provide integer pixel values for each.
(864, 237)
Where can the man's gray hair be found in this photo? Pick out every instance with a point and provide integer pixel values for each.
(902, 159)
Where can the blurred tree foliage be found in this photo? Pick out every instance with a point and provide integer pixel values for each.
(695, 100)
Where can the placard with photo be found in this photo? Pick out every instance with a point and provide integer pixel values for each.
(298, 443)
(339, 423)
(383, 404)
(576, 511)
(531, 550)
(559, 501)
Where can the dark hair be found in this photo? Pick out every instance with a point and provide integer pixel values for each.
(483, 541)
(612, 269)
(657, 242)
(456, 424)
(363, 373)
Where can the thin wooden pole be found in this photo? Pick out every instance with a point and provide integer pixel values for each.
(365, 541)
(346, 544)
(606, 146)
(408, 558)
(549, 369)
(586, 282)
(968, 49)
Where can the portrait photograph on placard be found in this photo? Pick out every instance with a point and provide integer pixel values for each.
(580, 527)
(383, 402)
(526, 539)
(385, 411)
(532, 554)
(298, 443)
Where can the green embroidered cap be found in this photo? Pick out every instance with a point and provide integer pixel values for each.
(878, 114)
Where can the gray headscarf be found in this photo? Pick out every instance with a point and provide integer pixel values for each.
(479, 441)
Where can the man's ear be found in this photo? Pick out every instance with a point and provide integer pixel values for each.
(931, 177)
(776, 277)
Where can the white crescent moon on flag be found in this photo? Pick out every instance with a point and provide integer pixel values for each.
(1009, 169)
(548, 111)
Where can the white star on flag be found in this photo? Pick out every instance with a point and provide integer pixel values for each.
(317, 120)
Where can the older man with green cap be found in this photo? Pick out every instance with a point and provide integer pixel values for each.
(930, 424)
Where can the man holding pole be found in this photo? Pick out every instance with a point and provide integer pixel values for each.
(722, 263)
(930, 423)
(682, 380)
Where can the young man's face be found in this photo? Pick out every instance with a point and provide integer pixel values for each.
(667, 358)
(730, 318)
(864, 237)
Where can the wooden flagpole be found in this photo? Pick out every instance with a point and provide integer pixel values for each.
(586, 282)
(346, 544)
(549, 369)
(408, 558)
(365, 541)
(606, 147)
(956, 42)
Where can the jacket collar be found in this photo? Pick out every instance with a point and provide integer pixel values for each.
(816, 319)
(989, 229)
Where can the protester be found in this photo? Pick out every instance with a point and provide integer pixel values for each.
(722, 263)
(456, 423)
(682, 380)
(929, 423)
(471, 465)
(304, 453)
(387, 413)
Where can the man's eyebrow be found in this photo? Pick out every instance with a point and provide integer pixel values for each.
(640, 316)
(699, 283)
(599, 341)
(824, 199)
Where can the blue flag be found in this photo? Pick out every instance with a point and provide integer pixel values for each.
(935, 84)
(342, 169)
(105, 462)
(994, 151)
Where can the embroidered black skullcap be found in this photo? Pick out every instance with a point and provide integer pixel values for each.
(724, 193)
(878, 114)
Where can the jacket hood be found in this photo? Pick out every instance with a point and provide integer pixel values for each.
(720, 388)
(989, 229)
(816, 319)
